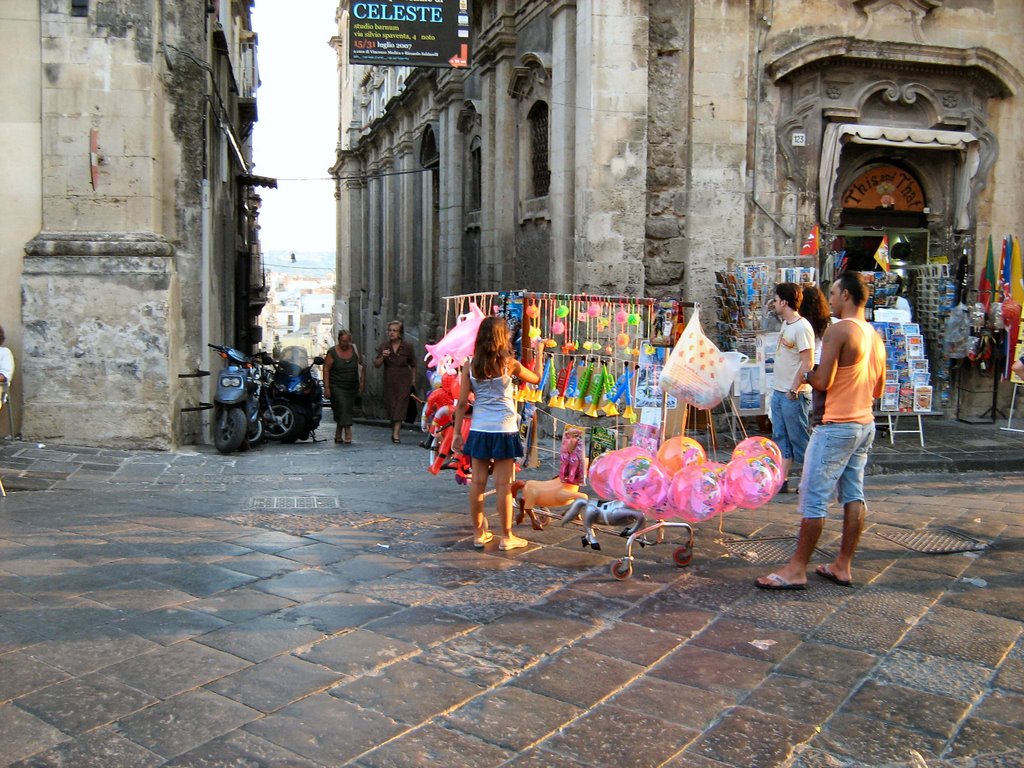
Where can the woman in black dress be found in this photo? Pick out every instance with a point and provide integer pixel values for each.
(343, 382)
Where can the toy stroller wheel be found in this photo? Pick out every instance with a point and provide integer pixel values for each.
(682, 556)
(622, 569)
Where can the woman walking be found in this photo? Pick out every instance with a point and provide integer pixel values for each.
(398, 359)
(814, 308)
(494, 432)
(343, 383)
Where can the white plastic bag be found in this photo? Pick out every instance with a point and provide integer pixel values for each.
(696, 371)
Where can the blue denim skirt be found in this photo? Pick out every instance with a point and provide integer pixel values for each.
(493, 445)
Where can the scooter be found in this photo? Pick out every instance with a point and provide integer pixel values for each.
(237, 424)
(296, 397)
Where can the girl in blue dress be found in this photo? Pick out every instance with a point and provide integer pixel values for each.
(494, 432)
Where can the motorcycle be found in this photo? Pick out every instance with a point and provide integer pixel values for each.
(295, 395)
(237, 421)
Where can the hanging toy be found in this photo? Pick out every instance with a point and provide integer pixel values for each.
(557, 399)
(628, 413)
(557, 327)
(593, 395)
(533, 311)
(621, 317)
(622, 340)
(606, 404)
(561, 311)
(545, 381)
(582, 384)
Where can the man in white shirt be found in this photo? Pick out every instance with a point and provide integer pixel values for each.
(791, 397)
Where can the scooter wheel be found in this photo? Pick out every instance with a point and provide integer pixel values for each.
(622, 569)
(682, 556)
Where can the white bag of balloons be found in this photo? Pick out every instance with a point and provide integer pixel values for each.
(681, 483)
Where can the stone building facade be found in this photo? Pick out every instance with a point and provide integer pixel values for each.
(129, 239)
(634, 147)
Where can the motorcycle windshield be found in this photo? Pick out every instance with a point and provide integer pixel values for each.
(297, 356)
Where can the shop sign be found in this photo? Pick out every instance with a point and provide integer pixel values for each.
(415, 33)
(885, 187)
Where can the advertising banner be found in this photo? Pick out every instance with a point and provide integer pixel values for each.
(415, 33)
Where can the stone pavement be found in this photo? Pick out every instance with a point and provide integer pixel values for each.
(321, 605)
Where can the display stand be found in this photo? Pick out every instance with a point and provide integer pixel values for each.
(893, 420)
(1013, 402)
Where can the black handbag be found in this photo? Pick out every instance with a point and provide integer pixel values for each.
(412, 410)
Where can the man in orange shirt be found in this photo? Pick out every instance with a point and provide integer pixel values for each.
(851, 375)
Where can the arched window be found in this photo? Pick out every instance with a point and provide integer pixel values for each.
(429, 156)
(540, 171)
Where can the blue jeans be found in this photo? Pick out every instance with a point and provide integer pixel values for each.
(791, 424)
(835, 461)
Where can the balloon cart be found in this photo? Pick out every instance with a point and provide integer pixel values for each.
(611, 370)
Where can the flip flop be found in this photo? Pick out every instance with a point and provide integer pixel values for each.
(777, 583)
(825, 573)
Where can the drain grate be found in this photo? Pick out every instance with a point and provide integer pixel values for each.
(294, 502)
(769, 550)
(939, 542)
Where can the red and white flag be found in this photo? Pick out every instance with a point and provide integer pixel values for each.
(810, 247)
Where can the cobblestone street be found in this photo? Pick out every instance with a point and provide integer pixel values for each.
(323, 605)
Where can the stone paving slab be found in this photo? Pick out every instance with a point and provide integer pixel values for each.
(138, 629)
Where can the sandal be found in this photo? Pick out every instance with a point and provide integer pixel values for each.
(396, 440)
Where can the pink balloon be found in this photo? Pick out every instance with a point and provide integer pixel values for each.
(698, 492)
(751, 481)
(753, 446)
(605, 467)
(644, 483)
(680, 451)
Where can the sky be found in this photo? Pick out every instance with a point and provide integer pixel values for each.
(296, 134)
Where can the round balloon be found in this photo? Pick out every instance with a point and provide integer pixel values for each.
(644, 483)
(753, 446)
(605, 466)
(751, 481)
(698, 491)
(678, 452)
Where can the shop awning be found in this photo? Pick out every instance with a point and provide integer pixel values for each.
(837, 135)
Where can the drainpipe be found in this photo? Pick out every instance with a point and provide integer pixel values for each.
(205, 259)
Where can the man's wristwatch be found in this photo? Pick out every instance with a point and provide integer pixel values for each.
(807, 376)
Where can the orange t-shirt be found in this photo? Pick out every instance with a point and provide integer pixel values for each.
(851, 397)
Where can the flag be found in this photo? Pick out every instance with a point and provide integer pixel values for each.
(1007, 263)
(882, 254)
(1017, 273)
(988, 277)
(811, 242)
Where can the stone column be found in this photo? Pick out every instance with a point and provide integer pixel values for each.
(611, 146)
(562, 149)
(500, 219)
(21, 147)
(105, 317)
(718, 148)
(450, 147)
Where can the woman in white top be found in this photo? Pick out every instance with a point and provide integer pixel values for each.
(6, 361)
(494, 432)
